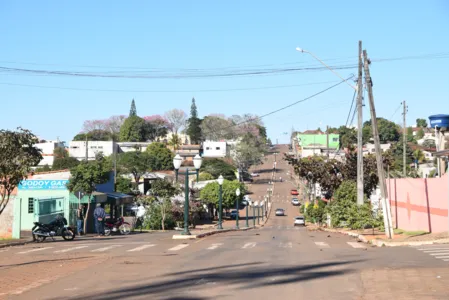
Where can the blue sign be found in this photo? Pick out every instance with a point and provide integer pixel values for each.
(43, 185)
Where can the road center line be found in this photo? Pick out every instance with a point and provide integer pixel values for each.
(106, 248)
(34, 250)
(70, 249)
(178, 247)
(141, 248)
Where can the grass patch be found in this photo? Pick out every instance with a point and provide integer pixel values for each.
(398, 231)
(6, 239)
(410, 233)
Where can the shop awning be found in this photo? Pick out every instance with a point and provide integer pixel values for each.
(119, 198)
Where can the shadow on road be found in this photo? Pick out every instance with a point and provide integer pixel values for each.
(240, 276)
(41, 261)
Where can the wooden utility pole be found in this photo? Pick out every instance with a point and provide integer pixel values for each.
(87, 149)
(404, 140)
(360, 194)
(327, 140)
(380, 167)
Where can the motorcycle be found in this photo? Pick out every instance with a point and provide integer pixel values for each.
(57, 227)
(118, 226)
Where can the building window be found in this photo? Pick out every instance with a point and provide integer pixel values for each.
(207, 148)
(217, 148)
(335, 139)
(100, 147)
(93, 147)
(74, 147)
(30, 205)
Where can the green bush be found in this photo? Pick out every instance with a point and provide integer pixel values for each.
(153, 218)
(217, 167)
(204, 176)
(315, 212)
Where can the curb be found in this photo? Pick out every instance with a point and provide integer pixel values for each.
(13, 244)
(380, 243)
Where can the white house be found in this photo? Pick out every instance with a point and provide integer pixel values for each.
(371, 149)
(47, 148)
(132, 146)
(215, 149)
(77, 149)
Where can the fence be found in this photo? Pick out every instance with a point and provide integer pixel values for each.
(419, 204)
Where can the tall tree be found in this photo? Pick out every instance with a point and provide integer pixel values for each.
(421, 122)
(17, 155)
(388, 131)
(86, 176)
(157, 127)
(216, 127)
(134, 129)
(194, 123)
(210, 193)
(176, 119)
(133, 110)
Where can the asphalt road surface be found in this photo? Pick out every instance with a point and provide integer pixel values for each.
(278, 261)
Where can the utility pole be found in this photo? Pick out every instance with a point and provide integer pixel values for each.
(87, 149)
(327, 140)
(404, 140)
(360, 194)
(380, 169)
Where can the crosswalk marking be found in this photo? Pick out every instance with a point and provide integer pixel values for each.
(70, 249)
(285, 245)
(106, 248)
(439, 253)
(356, 245)
(436, 251)
(141, 248)
(249, 245)
(178, 247)
(34, 250)
(322, 244)
(214, 246)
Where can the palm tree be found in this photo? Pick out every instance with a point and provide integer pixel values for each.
(419, 155)
(175, 142)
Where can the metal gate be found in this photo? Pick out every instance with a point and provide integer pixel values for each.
(45, 210)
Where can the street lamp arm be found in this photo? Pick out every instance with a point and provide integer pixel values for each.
(322, 62)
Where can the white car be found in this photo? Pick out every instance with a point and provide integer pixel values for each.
(299, 221)
(295, 201)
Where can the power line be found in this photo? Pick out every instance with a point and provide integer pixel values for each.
(166, 91)
(395, 112)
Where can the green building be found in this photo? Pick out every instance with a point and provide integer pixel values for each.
(318, 140)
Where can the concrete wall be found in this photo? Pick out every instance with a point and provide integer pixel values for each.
(420, 204)
(214, 149)
(7, 219)
(77, 149)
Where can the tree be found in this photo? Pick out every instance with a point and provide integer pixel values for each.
(157, 127)
(86, 176)
(101, 130)
(17, 155)
(95, 135)
(398, 156)
(164, 191)
(136, 163)
(429, 143)
(175, 141)
(204, 176)
(161, 156)
(194, 123)
(347, 136)
(248, 152)
(420, 133)
(421, 122)
(176, 119)
(210, 193)
(133, 110)
(134, 129)
(216, 167)
(419, 155)
(62, 160)
(388, 131)
(123, 185)
(215, 127)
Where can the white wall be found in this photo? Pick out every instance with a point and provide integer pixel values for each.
(132, 146)
(47, 151)
(77, 149)
(214, 149)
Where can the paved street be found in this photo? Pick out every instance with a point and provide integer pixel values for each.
(277, 261)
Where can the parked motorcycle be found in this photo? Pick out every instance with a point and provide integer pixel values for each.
(118, 226)
(57, 227)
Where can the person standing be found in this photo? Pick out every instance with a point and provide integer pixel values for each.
(99, 216)
(80, 213)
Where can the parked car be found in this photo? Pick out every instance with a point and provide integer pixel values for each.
(280, 212)
(295, 202)
(294, 192)
(299, 221)
(234, 214)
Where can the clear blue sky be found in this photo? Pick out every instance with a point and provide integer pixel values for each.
(174, 35)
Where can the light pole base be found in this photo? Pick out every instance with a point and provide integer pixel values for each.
(186, 232)
(220, 227)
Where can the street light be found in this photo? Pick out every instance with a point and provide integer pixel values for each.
(262, 205)
(313, 55)
(220, 201)
(248, 203)
(197, 160)
(237, 193)
(177, 160)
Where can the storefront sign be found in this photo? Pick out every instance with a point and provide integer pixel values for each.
(43, 185)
